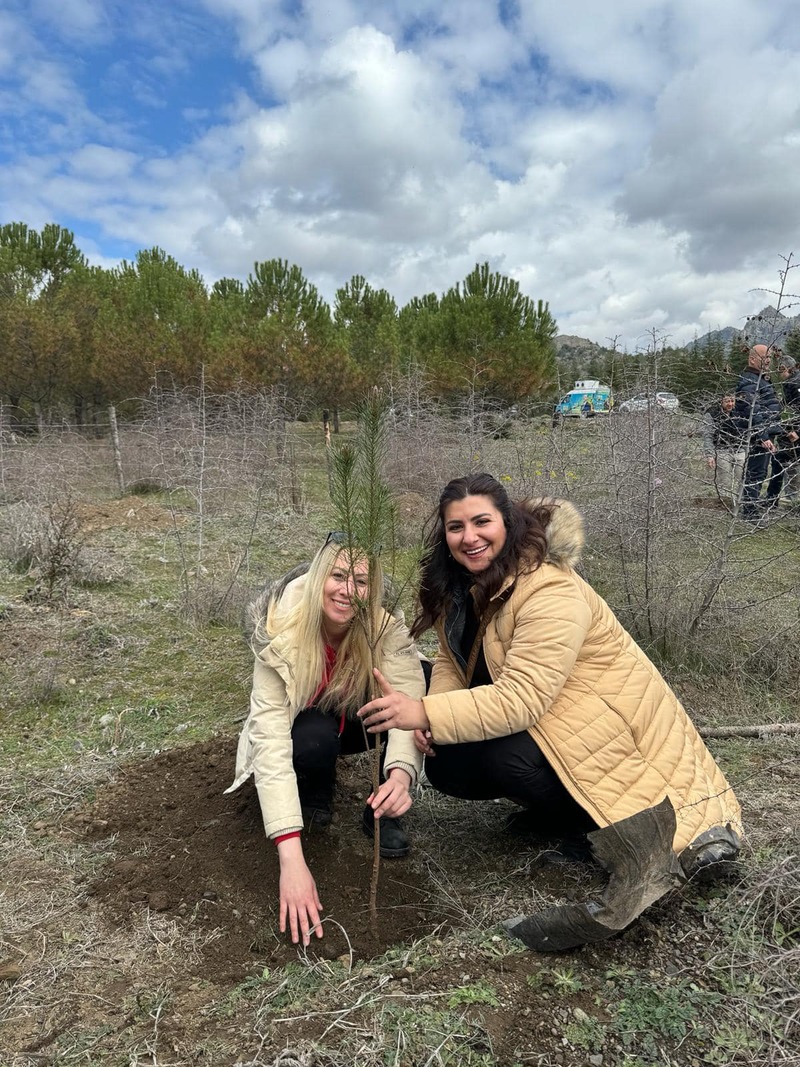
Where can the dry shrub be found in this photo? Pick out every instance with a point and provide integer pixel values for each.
(212, 600)
(46, 542)
(212, 447)
(40, 468)
(696, 587)
(762, 955)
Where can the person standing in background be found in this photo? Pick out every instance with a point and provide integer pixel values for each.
(758, 411)
(724, 447)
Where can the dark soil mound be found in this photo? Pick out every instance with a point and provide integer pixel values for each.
(184, 848)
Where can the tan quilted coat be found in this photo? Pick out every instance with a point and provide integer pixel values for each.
(565, 670)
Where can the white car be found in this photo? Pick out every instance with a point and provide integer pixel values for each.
(644, 401)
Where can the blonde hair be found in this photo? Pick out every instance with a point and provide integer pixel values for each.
(350, 681)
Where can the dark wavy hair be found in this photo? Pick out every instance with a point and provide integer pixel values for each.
(524, 549)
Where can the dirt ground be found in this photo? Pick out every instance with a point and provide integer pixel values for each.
(131, 512)
(186, 849)
(184, 961)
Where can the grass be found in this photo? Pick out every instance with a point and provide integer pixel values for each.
(119, 670)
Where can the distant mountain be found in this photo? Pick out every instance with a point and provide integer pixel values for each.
(570, 347)
(768, 326)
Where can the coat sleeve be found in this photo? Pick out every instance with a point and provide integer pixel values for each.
(707, 431)
(549, 630)
(269, 727)
(401, 666)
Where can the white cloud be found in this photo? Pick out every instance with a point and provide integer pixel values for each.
(102, 163)
(73, 18)
(735, 195)
(635, 164)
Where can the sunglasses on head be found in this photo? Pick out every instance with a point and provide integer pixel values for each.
(341, 537)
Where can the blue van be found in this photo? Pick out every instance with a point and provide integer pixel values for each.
(587, 399)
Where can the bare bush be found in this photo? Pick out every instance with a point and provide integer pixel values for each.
(45, 541)
(762, 956)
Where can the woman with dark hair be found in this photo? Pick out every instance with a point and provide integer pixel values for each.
(538, 694)
(311, 674)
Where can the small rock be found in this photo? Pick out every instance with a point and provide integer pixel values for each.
(158, 901)
(596, 1060)
(209, 894)
(9, 972)
(125, 867)
(580, 1015)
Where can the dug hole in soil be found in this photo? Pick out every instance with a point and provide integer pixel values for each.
(184, 848)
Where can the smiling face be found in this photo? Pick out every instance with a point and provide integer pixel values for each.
(345, 586)
(475, 532)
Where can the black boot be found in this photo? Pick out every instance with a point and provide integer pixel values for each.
(574, 848)
(316, 800)
(394, 840)
(316, 816)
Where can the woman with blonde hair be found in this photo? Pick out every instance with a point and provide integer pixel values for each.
(317, 632)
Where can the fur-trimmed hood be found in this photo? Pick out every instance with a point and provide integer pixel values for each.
(566, 532)
(255, 611)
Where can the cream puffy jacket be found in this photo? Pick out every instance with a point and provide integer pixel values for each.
(565, 670)
(265, 743)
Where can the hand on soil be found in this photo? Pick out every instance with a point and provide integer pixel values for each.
(300, 903)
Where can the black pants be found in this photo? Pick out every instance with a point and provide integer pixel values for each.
(512, 767)
(755, 472)
(316, 746)
(779, 464)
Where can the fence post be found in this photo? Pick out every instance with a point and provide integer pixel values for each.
(112, 418)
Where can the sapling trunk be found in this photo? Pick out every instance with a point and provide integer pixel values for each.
(375, 762)
(366, 516)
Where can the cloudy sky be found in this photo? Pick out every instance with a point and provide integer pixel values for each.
(636, 163)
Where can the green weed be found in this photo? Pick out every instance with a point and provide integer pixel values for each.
(477, 993)
(586, 1033)
(647, 1012)
(426, 1034)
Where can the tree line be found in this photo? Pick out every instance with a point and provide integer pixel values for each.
(75, 338)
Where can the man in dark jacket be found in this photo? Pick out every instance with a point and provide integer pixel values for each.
(785, 471)
(758, 412)
(724, 447)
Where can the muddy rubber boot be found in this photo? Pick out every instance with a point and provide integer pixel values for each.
(712, 856)
(637, 852)
(394, 840)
